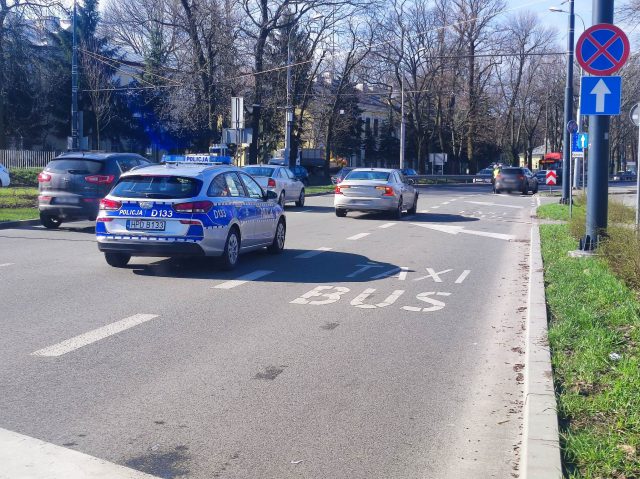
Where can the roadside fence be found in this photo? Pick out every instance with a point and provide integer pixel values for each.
(22, 159)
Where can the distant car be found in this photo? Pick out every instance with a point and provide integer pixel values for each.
(5, 179)
(375, 189)
(541, 176)
(280, 180)
(484, 176)
(339, 176)
(624, 176)
(188, 210)
(301, 173)
(278, 161)
(71, 185)
(409, 172)
(515, 179)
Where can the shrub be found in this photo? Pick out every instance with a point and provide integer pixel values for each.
(25, 177)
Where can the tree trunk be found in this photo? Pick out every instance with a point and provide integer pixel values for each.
(471, 85)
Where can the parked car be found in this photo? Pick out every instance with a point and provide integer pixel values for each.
(71, 185)
(409, 172)
(188, 210)
(339, 176)
(280, 180)
(484, 176)
(624, 176)
(278, 161)
(375, 189)
(541, 176)
(5, 179)
(515, 179)
(301, 173)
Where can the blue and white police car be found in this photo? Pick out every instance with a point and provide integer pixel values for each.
(188, 207)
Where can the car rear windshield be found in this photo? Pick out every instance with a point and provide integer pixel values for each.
(160, 187)
(73, 165)
(368, 175)
(512, 171)
(259, 171)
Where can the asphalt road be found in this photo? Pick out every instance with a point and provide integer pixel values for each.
(393, 352)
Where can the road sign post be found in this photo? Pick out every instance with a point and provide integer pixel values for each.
(635, 119)
(601, 50)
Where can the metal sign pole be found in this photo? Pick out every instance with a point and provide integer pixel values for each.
(570, 189)
(638, 184)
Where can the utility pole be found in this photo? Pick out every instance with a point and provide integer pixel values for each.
(288, 117)
(74, 84)
(598, 181)
(402, 125)
(568, 110)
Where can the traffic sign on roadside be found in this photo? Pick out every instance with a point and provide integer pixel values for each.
(579, 142)
(602, 49)
(572, 126)
(600, 95)
(551, 177)
(634, 114)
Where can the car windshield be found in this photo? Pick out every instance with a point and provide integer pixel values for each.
(259, 171)
(512, 171)
(160, 187)
(486, 171)
(73, 165)
(368, 175)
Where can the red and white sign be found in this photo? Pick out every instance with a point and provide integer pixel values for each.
(552, 177)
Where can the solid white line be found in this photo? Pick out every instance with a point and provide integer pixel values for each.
(486, 203)
(5, 264)
(243, 279)
(312, 253)
(300, 211)
(24, 457)
(435, 207)
(387, 225)
(82, 340)
(423, 211)
(358, 236)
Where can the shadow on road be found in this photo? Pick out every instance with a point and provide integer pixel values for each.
(325, 268)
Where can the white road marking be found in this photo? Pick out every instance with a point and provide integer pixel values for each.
(433, 274)
(363, 268)
(243, 279)
(435, 207)
(317, 292)
(435, 303)
(423, 211)
(299, 211)
(387, 225)
(486, 203)
(358, 236)
(90, 337)
(24, 457)
(401, 271)
(446, 202)
(312, 253)
(463, 276)
(359, 300)
(5, 264)
(454, 230)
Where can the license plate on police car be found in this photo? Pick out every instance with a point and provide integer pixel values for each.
(146, 225)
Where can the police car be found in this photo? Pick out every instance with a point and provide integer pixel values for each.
(188, 207)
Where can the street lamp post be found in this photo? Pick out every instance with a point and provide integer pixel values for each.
(402, 125)
(74, 84)
(288, 119)
(568, 110)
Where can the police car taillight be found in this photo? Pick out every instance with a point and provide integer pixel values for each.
(193, 207)
(110, 205)
(271, 183)
(99, 179)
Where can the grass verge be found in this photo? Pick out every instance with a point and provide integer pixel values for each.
(592, 315)
(15, 214)
(310, 190)
(16, 197)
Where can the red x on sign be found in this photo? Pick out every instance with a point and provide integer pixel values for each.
(602, 49)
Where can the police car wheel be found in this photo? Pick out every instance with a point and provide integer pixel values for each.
(278, 239)
(117, 260)
(231, 250)
(300, 202)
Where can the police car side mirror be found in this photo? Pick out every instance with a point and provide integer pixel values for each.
(271, 195)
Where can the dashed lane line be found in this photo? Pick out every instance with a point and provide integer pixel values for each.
(312, 253)
(90, 337)
(25, 457)
(243, 279)
(358, 236)
(387, 225)
(5, 264)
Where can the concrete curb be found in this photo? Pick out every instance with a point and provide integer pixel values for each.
(540, 442)
(5, 225)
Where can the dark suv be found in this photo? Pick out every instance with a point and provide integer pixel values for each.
(72, 185)
(515, 179)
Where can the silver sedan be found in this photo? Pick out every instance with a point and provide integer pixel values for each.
(280, 180)
(375, 189)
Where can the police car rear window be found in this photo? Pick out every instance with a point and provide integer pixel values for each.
(259, 171)
(160, 187)
(77, 166)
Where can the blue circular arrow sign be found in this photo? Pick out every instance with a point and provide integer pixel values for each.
(602, 49)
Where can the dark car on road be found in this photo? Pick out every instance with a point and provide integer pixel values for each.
(71, 185)
(301, 174)
(516, 179)
(541, 176)
(484, 176)
(339, 176)
(409, 172)
(624, 176)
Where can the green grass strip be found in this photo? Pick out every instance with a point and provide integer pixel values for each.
(319, 189)
(15, 214)
(593, 314)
